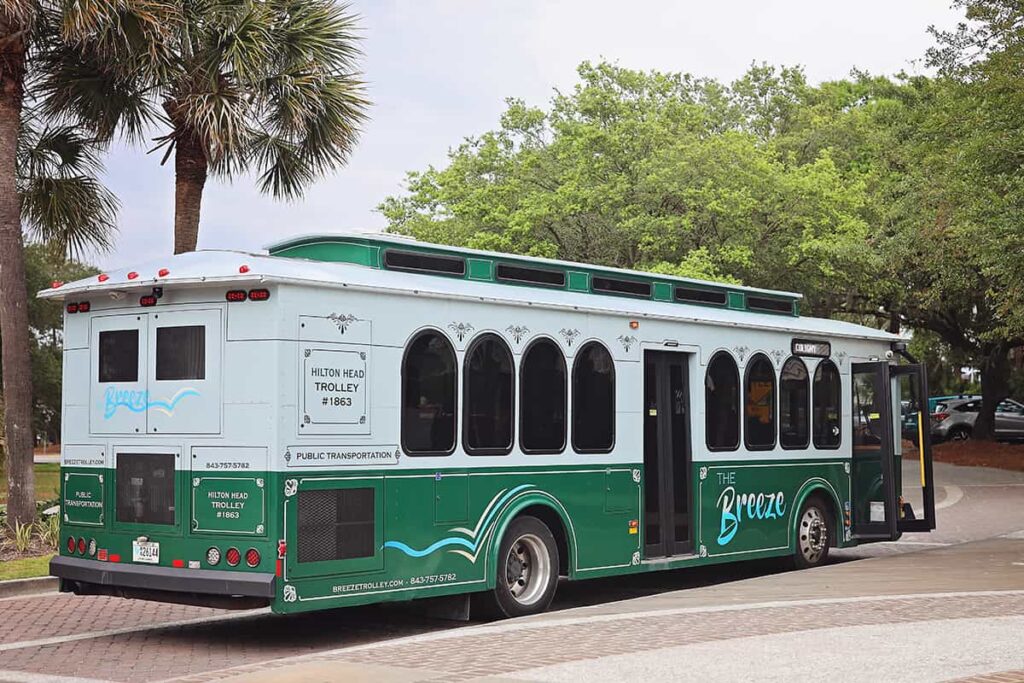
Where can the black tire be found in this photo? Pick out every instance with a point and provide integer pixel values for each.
(527, 572)
(959, 434)
(815, 531)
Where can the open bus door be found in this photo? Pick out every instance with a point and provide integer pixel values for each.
(893, 490)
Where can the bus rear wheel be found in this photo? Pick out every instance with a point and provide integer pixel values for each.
(813, 534)
(527, 570)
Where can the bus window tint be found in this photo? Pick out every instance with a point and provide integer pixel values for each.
(722, 403)
(759, 430)
(542, 399)
(490, 397)
(794, 399)
(181, 352)
(429, 377)
(593, 400)
(119, 356)
(827, 405)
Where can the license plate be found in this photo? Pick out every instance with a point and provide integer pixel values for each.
(147, 552)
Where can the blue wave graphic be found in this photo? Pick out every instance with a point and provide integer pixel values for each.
(457, 540)
(139, 401)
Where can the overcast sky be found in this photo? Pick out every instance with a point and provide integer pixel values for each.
(439, 70)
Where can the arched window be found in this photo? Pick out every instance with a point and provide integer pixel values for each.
(759, 407)
(593, 400)
(828, 405)
(794, 404)
(490, 397)
(429, 378)
(722, 403)
(542, 398)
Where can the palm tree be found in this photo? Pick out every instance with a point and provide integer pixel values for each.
(268, 86)
(48, 183)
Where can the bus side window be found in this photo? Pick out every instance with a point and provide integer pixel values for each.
(429, 378)
(490, 397)
(722, 403)
(542, 398)
(827, 405)
(759, 431)
(593, 400)
(794, 400)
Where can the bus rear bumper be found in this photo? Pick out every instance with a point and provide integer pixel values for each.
(210, 587)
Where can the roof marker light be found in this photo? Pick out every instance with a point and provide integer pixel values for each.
(102, 277)
(243, 269)
(163, 272)
(56, 284)
(132, 275)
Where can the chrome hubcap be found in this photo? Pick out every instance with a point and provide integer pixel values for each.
(527, 569)
(813, 535)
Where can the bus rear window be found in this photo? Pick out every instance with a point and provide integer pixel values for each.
(119, 356)
(181, 352)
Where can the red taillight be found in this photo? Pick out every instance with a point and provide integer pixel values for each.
(83, 306)
(243, 269)
(939, 417)
(114, 557)
(102, 277)
(163, 272)
(71, 544)
(252, 557)
(81, 546)
(233, 557)
(132, 275)
(259, 294)
(148, 300)
(72, 308)
(178, 564)
(236, 295)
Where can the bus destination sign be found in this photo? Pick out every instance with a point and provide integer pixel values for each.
(812, 348)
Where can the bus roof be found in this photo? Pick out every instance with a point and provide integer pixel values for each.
(212, 268)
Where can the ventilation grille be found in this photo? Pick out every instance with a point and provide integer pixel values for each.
(618, 286)
(145, 488)
(336, 524)
(395, 259)
(537, 276)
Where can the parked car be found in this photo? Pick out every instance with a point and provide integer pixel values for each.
(935, 400)
(954, 420)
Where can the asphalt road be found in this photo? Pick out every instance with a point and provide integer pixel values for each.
(722, 622)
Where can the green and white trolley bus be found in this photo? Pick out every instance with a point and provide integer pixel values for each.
(352, 419)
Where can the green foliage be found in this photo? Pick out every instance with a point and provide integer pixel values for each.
(48, 530)
(21, 536)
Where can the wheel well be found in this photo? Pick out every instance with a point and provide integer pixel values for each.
(553, 522)
(830, 508)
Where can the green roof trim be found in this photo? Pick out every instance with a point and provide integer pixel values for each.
(481, 266)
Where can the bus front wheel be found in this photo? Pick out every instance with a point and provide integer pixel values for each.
(813, 534)
(527, 570)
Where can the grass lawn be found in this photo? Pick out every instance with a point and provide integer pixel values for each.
(47, 482)
(23, 569)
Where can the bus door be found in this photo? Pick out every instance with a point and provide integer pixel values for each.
(667, 509)
(891, 493)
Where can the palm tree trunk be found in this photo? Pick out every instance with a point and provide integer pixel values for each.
(189, 178)
(17, 369)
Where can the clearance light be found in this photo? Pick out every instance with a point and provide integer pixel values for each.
(236, 295)
(233, 557)
(83, 306)
(102, 277)
(213, 557)
(252, 557)
(92, 547)
(259, 294)
(56, 284)
(101, 554)
(72, 308)
(634, 324)
(282, 549)
(81, 546)
(147, 300)
(132, 275)
(163, 272)
(243, 269)
(178, 564)
(71, 544)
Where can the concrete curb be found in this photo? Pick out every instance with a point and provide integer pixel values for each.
(17, 587)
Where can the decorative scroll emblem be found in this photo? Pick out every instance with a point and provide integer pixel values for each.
(635, 560)
(741, 352)
(460, 329)
(291, 487)
(846, 466)
(195, 481)
(636, 476)
(569, 335)
(627, 341)
(342, 321)
(289, 594)
(287, 455)
(703, 473)
(703, 550)
(841, 357)
(518, 332)
(259, 528)
(777, 355)
(259, 483)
